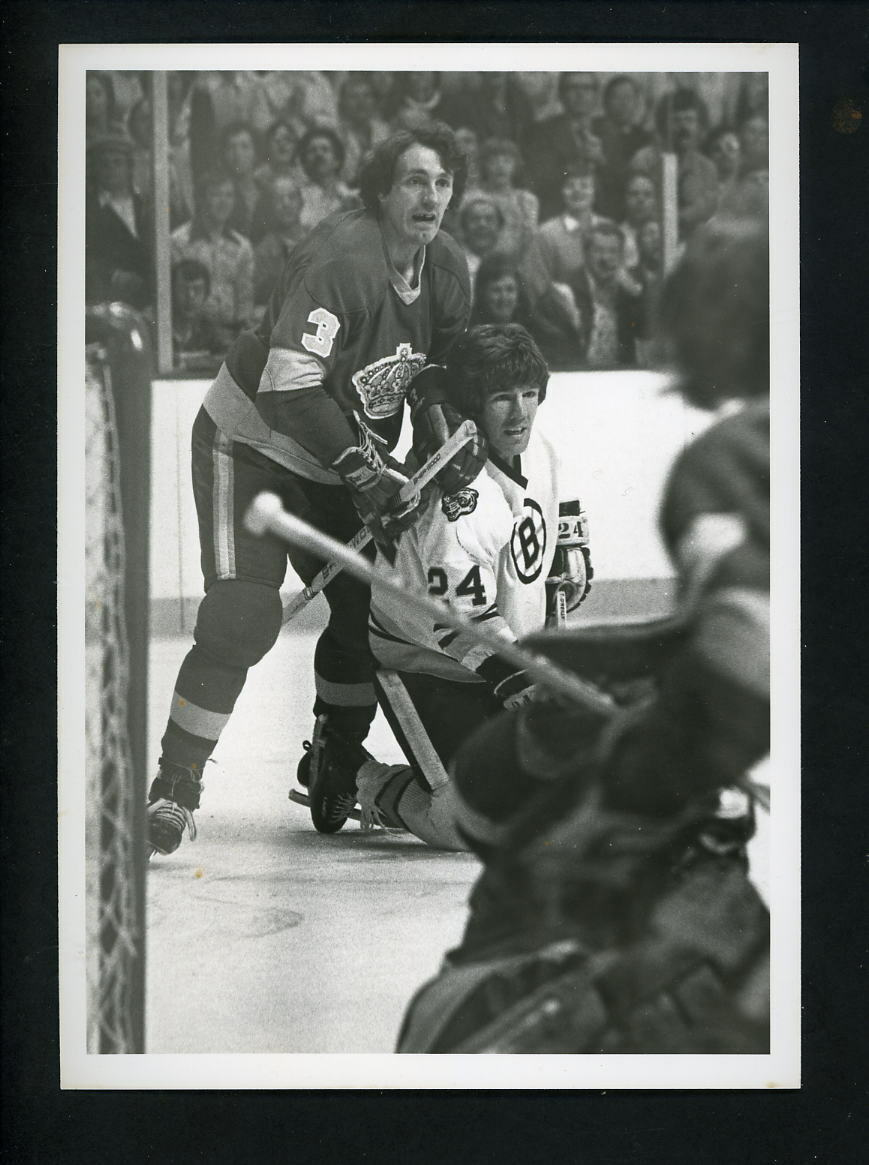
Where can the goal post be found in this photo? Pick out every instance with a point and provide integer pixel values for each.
(118, 407)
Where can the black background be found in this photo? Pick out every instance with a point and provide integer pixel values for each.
(818, 1123)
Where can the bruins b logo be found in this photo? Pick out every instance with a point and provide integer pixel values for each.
(463, 502)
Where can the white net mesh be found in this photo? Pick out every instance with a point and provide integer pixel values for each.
(113, 939)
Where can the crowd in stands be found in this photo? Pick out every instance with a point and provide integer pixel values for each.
(560, 221)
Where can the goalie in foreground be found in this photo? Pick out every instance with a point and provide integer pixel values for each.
(615, 913)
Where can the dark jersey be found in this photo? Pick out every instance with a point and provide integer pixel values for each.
(343, 333)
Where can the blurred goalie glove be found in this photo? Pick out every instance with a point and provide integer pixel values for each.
(571, 571)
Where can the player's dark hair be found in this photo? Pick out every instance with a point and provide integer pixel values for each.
(714, 312)
(493, 357)
(377, 172)
(320, 131)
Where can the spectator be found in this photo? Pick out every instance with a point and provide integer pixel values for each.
(101, 113)
(273, 249)
(561, 239)
(128, 86)
(469, 144)
(195, 340)
(499, 161)
(568, 137)
(419, 98)
(141, 135)
(753, 97)
(321, 155)
(498, 108)
(754, 139)
(541, 90)
(217, 100)
(300, 98)
(608, 310)
(620, 136)
(725, 150)
(227, 256)
(118, 253)
(646, 274)
(682, 122)
(480, 224)
(503, 297)
(360, 128)
(238, 155)
(281, 144)
(641, 206)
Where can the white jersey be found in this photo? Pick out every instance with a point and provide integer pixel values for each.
(487, 550)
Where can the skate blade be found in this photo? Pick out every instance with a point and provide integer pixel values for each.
(301, 798)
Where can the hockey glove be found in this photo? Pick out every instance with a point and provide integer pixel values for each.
(571, 570)
(375, 481)
(434, 419)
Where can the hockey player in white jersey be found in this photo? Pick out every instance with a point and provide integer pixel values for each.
(492, 551)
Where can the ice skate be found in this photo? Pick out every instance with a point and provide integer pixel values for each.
(332, 764)
(174, 794)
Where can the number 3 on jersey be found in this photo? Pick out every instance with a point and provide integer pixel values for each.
(471, 585)
(327, 328)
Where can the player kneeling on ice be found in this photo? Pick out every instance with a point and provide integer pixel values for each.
(492, 550)
(615, 912)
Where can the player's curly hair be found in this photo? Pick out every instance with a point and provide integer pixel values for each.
(491, 357)
(714, 312)
(377, 172)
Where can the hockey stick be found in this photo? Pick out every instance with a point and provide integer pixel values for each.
(430, 764)
(463, 434)
(266, 514)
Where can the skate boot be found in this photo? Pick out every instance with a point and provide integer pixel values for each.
(332, 764)
(173, 796)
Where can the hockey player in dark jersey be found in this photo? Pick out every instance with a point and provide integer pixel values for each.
(615, 912)
(309, 406)
(488, 550)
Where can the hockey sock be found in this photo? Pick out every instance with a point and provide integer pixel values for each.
(204, 697)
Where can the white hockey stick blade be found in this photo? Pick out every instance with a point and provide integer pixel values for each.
(266, 513)
(463, 434)
(300, 798)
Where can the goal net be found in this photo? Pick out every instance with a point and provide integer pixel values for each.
(117, 404)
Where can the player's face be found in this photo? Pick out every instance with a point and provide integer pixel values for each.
(412, 211)
(508, 418)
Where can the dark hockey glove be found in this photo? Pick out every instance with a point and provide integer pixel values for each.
(434, 419)
(375, 481)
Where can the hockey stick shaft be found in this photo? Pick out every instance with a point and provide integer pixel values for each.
(463, 434)
(424, 751)
(266, 514)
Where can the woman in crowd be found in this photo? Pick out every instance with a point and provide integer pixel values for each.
(280, 149)
(499, 162)
(725, 150)
(101, 113)
(502, 297)
(418, 99)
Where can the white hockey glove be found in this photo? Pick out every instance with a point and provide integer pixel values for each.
(571, 572)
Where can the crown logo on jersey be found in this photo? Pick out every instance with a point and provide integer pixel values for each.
(382, 386)
(463, 502)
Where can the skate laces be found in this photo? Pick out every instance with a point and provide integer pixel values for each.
(175, 815)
